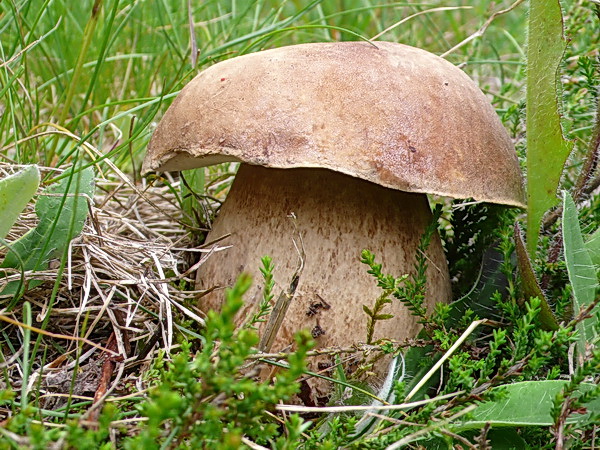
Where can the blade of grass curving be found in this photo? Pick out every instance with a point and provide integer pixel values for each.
(412, 16)
(433, 28)
(15, 192)
(81, 183)
(209, 55)
(582, 274)
(175, 40)
(139, 128)
(322, 21)
(91, 64)
(266, 36)
(9, 82)
(547, 149)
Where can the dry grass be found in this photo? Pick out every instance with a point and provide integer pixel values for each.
(125, 280)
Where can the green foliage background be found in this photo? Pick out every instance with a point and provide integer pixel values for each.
(82, 85)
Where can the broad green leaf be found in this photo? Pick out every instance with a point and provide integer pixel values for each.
(582, 273)
(528, 403)
(62, 210)
(547, 149)
(593, 247)
(15, 192)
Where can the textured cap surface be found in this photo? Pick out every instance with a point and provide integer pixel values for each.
(388, 113)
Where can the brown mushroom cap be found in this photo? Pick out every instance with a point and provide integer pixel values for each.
(388, 113)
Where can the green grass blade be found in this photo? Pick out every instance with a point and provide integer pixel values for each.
(547, 149)
(15, 192)
(192, 186)
(582, 274)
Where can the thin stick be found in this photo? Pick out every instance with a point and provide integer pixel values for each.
(55, 335)
(336, 409)
(424, 431)
(406, 19)
(285, 299)
(482, 30)
(447, 355)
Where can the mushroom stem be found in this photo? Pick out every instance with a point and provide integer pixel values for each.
(337, 216)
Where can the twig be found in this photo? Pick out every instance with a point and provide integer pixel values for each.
(429, 429)
(285, 299)
(482, 30)
(253, 445)
(119, 341)
(193, 43)
(447, 355)
(56, 335)
(406, 19)
(336, 409)
(108, 366)
(459, 438)
(30, 46)
(482, 440)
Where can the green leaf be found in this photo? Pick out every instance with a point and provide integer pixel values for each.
(15, 192)
(383, 317)
(582, 274)
(62, 210)
(528, 403)
(593, 247)
(547, 149)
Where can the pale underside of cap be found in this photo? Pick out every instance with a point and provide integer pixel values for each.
(387, 113)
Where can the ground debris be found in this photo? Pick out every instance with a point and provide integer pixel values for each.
(134, 245)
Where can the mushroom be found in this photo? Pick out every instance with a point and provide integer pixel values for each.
(348, 137)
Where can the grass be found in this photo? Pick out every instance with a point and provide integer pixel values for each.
(82, 84)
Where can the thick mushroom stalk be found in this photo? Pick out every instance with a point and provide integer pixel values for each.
(337, 216)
